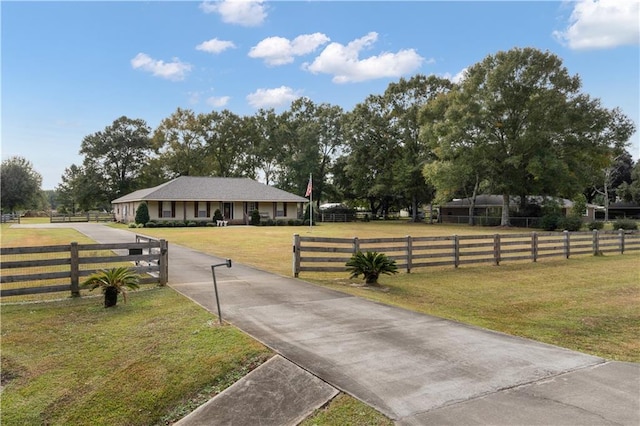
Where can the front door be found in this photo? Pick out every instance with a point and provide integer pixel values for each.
(227, 211)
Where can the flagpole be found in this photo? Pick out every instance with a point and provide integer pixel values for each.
(311, 202)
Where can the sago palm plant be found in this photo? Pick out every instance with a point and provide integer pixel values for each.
(371, 264)
(113, 281)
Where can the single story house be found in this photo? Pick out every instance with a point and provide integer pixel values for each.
(622, 210)
(190, 198)
(490, 206)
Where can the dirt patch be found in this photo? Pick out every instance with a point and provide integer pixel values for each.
(362, 285)
(9, 370)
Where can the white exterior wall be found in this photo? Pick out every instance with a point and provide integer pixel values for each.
(185, 210)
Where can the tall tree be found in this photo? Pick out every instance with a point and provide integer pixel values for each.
(405, 100)
(118, 154)
(371, 148)
(270, 130)
(630, 191)
(538, 133)
(228, 142)
(180, 143)
(313, 139)
(82, 188)
(20, 185)
(459, 162)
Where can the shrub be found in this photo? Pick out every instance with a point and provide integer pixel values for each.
(255, 217)
(549, 222)
(132, 225)
(212, 224)
(217, 215)
(113, 282)
(570, 223)
(626, 224)
(142, 214)
(191, 224)
(370, 265)
(579, 206)
(595, 225)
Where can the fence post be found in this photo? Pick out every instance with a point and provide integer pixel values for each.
(356, 245)
(595, 243)
(409, 253)
(534, 246)
(296, 255)
(456, 251)
(496, 249)
(75, 269)
(621, 233)
(164, 262)
(567, 248)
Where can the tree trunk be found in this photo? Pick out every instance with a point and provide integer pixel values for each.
(472, 204)
(504, 221)
(110, 297)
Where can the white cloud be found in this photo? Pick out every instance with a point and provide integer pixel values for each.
(215, 46)
(218, 101)
(280, 51)
(174, 70)
(457, 78)
(599, 24)
(346, 66)
(271, 98)
(249, 13)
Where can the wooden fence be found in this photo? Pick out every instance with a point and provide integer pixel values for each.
(34, 270)
(85, 217)
(319, 254)
(10, 218)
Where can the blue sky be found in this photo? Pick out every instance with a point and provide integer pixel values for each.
(69, 69)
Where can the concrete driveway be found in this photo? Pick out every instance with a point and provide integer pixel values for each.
(414, 368)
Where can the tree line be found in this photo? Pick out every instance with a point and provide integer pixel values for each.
(516, 124)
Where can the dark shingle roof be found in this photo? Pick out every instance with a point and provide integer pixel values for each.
(191, 188)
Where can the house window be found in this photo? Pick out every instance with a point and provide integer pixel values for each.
(281, 210)
(202, 209)
(167, 208)
(251, 206)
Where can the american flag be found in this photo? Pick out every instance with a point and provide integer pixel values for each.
(309, 187)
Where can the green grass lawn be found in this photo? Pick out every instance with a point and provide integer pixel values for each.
(146, 362)
(89, 354)
(150, 361)
(586, 303)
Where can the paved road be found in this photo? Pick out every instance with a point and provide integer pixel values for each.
(416, 369)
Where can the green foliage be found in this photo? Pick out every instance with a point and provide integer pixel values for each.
(114, 158)
(549, 222)
(370, 265)
(626, 224)
(20, 185)
(595, 225)
(579, 206)
(520, 115)
(142, 214)
(255, 217)
(570, 223)
(114, 279)
(217, 215)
